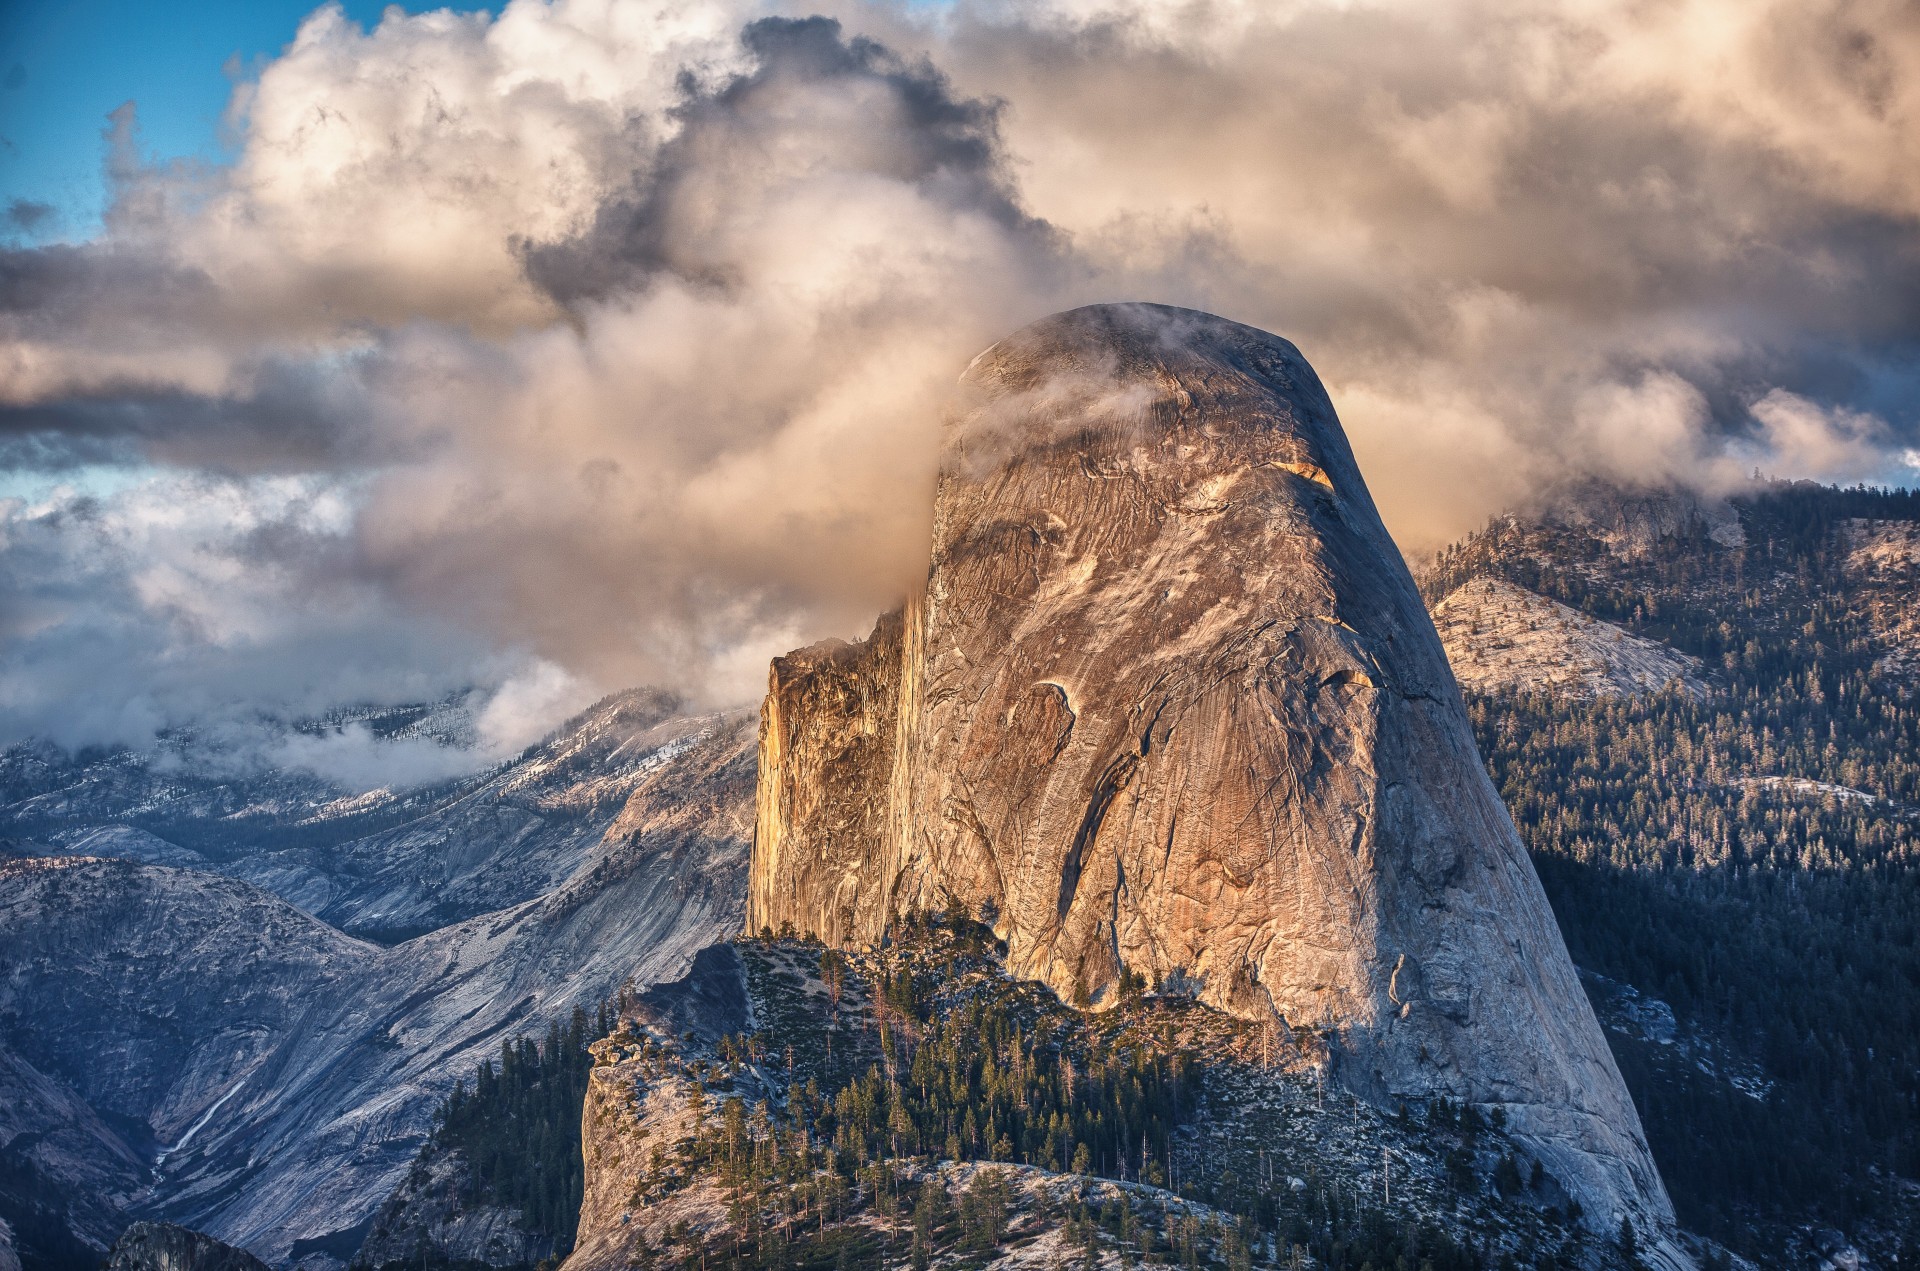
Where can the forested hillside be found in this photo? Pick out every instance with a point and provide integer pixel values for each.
(916, 1105)
(1747, 858)
(518, 1126)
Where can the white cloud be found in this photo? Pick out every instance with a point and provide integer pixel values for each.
(1803, 439)
(594, 344)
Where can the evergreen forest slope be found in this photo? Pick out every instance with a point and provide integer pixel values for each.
(1735, 871)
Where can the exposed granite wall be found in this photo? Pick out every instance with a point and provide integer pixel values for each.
(1170, 702)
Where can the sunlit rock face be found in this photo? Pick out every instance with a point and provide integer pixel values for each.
(1170, 702)
(1502, 638)
(830, 731)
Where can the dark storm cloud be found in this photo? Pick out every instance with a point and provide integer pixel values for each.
(293, 417)
(62, 286)
(888, 118)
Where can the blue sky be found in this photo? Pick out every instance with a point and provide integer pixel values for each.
(64, 64)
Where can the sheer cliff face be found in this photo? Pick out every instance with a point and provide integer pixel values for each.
(830, 729)
(1171, 703)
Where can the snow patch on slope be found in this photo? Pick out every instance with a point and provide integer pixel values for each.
(1500, 637)
(1886, 554)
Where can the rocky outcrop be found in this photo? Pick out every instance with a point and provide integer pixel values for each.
(830, 729)
(632, 1120)
(1171, 703)
(636, 1113)
(1883, 560)
(161, 1246)
(1268, 1116)
(1502, 638)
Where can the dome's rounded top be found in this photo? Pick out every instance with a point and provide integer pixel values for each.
(1213, 396)
(1131, 339)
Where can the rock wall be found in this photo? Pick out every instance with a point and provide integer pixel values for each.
(827, 808)
(1171, 703)
(431, 1220)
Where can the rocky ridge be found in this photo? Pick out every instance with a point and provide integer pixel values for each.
(1170, 705)
(387, 863)
(159, 1246)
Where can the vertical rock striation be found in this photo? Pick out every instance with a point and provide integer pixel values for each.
(830, 735)
(1170, 702)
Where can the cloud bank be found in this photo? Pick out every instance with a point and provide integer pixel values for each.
(604, 343)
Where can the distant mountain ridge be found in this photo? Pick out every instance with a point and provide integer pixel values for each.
(386, 864)
(261, 1076)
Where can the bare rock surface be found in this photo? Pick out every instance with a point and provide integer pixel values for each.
(1502, 638)
(1171, 703)
(429, 1217)
(1884, 556)
(830, 729)
(159, 1246)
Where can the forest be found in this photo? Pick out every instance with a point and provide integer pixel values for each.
(1688, 851)
(946, 1061)
(518, 1125)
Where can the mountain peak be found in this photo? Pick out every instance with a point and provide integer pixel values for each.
(1169, 706)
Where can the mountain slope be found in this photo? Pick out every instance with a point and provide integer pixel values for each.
(1744, 862)
(1503, 638)
(66, 1176)
(386, 864)
(667, 881)
(1883, 560)
(291, 1072)
(488, 842)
